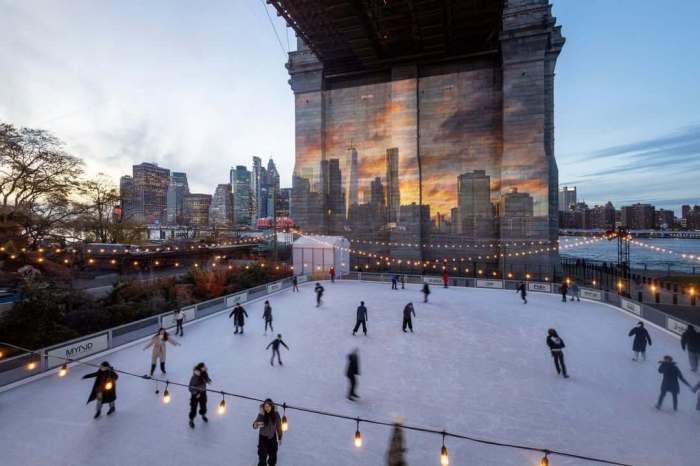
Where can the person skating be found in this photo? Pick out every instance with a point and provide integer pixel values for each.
(319, 293)
(641, 339)
(104, 390)
(394, 282)
(270, 433)
(403, 282)
(267, 315)
(407, 321)
(426, 292)
(690, 341)
(556, 345)
(276, 349)
(522, 288)
(575, 292)
(332, 274)
(669, 383)
(239, 314)
(564, 290)
(159, 344)
(696, 389)
(295, 284)
(445, 278)
(179, 319)
(198, 392)
(353, 370)
(361, 318)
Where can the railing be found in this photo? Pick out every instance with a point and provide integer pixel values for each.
(17, 368)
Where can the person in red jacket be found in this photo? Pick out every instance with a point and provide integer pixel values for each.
(332, 272)
(445, 277)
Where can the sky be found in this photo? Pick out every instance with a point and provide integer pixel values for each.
(201, 86)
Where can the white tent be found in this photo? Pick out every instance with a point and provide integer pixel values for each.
(317, 254)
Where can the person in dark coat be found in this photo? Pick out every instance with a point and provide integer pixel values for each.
(394, 282)
(407, 321)
(353, 370)
(445, 278)
(276, 349)
(690, 341)
(556, 345)
(361, 318)
(319, 293)
(239, 314)
(198, 392)
(522, 288)
(295, 283)
(641, 339)
(564, 290)
(403, 282)
(270, 433)
(575, 292)
(104, 390)
(267, 316)
(426, 292)
(669, 383)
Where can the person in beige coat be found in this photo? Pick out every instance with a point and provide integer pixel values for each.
(159, 344)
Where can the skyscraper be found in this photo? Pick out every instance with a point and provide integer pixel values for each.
(272, 185)
(354, 185)
(221, 208)
(151, 187)
(393, 199)
(240, 184)
(197, 209)
(127, 196)
(255, 187)
(336, 198)
(177, 190)
(517, 210)
(567, 198)
(639, 217)
(474, 204)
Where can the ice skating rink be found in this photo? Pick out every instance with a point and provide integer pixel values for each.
(477, 364)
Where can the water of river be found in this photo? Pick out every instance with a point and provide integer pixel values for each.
(606, 251)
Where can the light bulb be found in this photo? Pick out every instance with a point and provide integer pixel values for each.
(109, 385)
(222, 407)
(444, 457)
(285, 424)
(358, 439)
(544, 461)
(166, 396)
(31, 366)
(63, 370)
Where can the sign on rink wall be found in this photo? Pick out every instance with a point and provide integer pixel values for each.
(168, 320)
(236, 299)
(302, 278)
(77, 350)
(676, 326)
(274, 287)
(591, 294)
(542, 287)
(634, 308)
(489, 283)
(433, 280)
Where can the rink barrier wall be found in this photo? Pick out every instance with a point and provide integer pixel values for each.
(639, 310)
(14, 369)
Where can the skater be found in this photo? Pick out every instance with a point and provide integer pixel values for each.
(669, 383)
(575, 292)
(267, 315)
(445, 278)
(556, 344)
(332, 274)
(564, 290)
(407, 322)
(403, 282)
(239, 314)
(319, 293)
(696, 389)
(276, 349)
(295, 284)
(690, 341)
(522, 288)
(198, 392)
(104, 390)
(641, 338)
(394, 282)
(270, 436)
(361, 319)
(352, 372)
(179, 319)
(426, 292)
(159, 343)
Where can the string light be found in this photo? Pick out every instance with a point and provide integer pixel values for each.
(63, 370)
(444, 456)
(545, 461)
(285, 423)
(358, 435)
(109, 385)
(222, 405)
(31, 366)
(166, 394)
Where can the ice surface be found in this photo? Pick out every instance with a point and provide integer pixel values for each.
(477, 365)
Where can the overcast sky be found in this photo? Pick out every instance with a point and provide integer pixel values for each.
(201, 86)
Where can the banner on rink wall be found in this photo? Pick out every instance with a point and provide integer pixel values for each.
(489, 283)
(168, 320)
(629, 306)
(676, 326)
(237, 298)
(591, 294)
(542, 287)
(432, 280)
(302, 278)
(77, 350)
(274, 287)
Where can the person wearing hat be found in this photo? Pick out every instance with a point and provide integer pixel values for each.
(104, 390)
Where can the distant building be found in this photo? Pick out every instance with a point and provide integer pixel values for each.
(197, 209)
(692, 217)
(665, 219)
(336, 197)
(127, 196)
(151, 188)
(354, 185)
(603, 217)
(177, 190)
(474, 204)
(567, 198)
(240, 186)
(256, 198)
(283, 206)
(221, 208)
(639, 217)
(517, 211)
(393, 194)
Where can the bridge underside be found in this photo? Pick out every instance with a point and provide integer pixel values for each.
(367, 35)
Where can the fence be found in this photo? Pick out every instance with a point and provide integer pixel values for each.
(20, 367)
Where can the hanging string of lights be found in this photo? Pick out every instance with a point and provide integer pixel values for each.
(651, 247)
(358, 440)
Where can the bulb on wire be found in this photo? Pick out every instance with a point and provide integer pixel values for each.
(444, 456)
(63, 370)
(285, 423)
(222, 405)
(544, 461)
(31, 366)
(109, 385)
(358, 435)
(166, 394)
